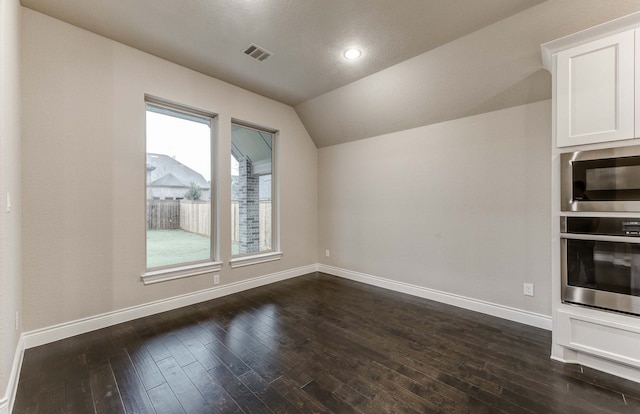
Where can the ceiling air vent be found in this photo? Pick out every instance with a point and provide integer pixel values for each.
(257, 52)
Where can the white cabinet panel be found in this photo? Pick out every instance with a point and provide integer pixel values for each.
(595, 91)
(601, 336)
(637, 70)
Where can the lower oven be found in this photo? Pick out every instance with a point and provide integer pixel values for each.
(601, 262)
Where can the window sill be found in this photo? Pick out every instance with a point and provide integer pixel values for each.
(163, 275)
(255, 259)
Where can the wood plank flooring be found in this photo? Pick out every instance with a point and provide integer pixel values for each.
(314, 344)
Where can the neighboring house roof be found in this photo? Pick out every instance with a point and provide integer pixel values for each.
(168, 180)
(173, 171)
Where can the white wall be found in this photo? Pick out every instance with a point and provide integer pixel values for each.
(10, 231)
(84, 179)
(461, 206)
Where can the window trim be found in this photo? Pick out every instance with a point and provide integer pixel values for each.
(275, 253)
(213, 263)
(257, 258)
(178, 272)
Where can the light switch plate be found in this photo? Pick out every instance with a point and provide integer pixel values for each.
(527, 289)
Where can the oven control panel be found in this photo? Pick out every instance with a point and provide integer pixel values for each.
(604, 226)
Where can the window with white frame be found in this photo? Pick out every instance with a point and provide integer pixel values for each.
(253, 193)
(180, 193)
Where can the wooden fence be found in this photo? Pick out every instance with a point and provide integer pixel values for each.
(163, 214)
(195, 217)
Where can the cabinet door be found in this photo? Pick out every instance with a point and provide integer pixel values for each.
(595, 91)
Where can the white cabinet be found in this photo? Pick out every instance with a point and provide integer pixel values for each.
(599, 335)
(596, 99)
(637, 68)
(595, 88)
(608, 341)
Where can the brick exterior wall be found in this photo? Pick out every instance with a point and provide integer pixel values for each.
(249, 209)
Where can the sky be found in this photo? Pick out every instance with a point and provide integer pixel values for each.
(187, 141)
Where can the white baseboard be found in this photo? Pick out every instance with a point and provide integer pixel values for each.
(505, 312)
(92, 323)
(6, 402)
(68, 329)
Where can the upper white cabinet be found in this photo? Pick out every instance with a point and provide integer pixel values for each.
(596, 75)
(595, 91)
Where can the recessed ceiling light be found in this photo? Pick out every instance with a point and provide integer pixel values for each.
(352, 54)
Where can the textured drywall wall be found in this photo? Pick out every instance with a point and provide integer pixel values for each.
(10, 229)
(461, 207)
(84, 152)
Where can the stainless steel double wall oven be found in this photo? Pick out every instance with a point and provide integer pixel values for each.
(601, 252)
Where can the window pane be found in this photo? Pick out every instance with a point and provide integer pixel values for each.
(178, 187)
(251, 190)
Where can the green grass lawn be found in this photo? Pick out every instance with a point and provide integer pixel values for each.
(167, 247)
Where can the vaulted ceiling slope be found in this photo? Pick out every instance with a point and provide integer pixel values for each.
(424, 61)
(493, 68)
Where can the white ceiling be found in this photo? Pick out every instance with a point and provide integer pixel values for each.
(424, 61)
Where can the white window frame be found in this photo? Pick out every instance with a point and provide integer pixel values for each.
(213, 264)
(248, 259)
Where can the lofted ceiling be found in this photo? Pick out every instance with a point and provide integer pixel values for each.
(424, 61)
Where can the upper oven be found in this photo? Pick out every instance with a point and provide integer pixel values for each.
(601, 180)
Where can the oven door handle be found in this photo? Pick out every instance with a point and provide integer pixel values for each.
(600, 237)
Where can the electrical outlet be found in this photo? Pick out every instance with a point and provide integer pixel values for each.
(216, 279)
(528, 289)
(327, 253)
(17, 320)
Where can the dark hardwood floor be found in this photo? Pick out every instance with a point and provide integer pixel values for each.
(314, 344)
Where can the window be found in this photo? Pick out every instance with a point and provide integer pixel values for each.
(253, 201)
(180, 193)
